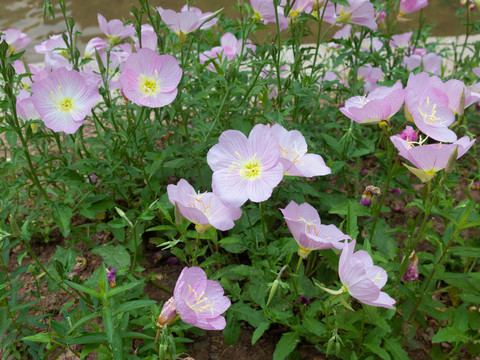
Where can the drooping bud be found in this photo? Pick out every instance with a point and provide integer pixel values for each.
(275, 284)
(368, 195)
(168, 314)
(112, 277)
(412, 271)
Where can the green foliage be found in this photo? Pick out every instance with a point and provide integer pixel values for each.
(100, 196)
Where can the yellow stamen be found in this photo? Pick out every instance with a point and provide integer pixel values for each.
(148, 85)
(64, 104)
(201, 303)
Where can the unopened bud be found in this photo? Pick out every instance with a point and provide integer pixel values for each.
(452, 161)
(407, 113)
(461, 105)
(168, 314)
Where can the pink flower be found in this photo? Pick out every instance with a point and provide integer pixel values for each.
(370, 43)
(455, 90)
(361, 279)
(265, 10)
(370, 75)
(408, 134)
(54, 44)
(305, 225)
(380, 16)
(205, 209)
(330, 16)
(149, 38)
(230, 49)
(411, 6)
(16, 40)
(428, 159)
(379, 105)
(359, 12)
(94, 44)
(245, 168)
(63, 99)
(401, 40)
(268, 73)
(203, 16)
(199, 301)
(427, 102)
(298, 7)
(430, 62)
(186, 21)
(294, 157)
(149, 79)
(25, 109)
(115, 29)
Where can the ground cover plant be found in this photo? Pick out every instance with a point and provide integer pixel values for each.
(188, 175)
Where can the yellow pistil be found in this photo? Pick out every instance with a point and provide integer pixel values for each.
(63, 104)
(201, 304)
(257, 16)
(148, 85)
(303, 253)
(344, 17)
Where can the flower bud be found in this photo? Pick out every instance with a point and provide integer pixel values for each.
(452, 161)
(412, 271)
(168, 314)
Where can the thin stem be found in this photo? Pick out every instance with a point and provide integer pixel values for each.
(195, 262)
(391, 165)
(264, 231)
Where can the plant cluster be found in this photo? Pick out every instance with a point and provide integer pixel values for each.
(263, 167)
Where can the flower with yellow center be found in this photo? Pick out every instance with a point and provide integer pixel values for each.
(63, 99)
(148, 85)
(199, 301)
(245, 168)
(149, 79)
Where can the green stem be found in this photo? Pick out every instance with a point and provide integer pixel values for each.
(264, 231)
(391, 166)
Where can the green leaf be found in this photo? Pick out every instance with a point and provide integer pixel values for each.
(232, 330)
(248, 314)
(126, 287)
(95, 338)
(451, 335)
(286, 345)
(108, 322)
(114, 256)
(233, 245)
(352, 227)
(83, 289)
(132, 305)
(314, 326)
(355, 208)
(396, 350)
(383, 239)
(464, 251)
(257, 334)
(62, 214)
(40, 337)
(377, 350)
